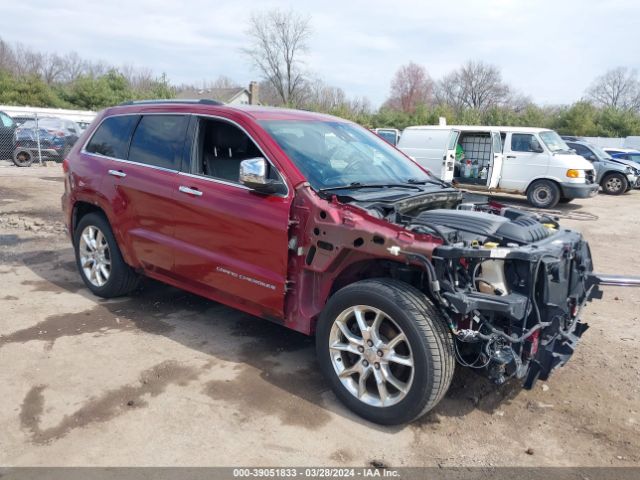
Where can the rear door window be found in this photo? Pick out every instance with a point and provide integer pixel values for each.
(112, 136)
(159, 141)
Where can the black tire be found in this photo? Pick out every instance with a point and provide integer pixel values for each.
(122, 279)
(427, 335)
(614, 184)
(543, 194)
(22, 158)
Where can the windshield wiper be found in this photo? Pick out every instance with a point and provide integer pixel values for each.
(358, 185)
(433, 181)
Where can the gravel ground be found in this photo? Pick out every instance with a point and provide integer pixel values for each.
(164, 377)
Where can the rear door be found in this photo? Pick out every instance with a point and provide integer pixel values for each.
(449, 159)
(496, 165)
(231, 242)
(141, 183)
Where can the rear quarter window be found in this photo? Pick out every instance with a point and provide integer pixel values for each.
(111, 138)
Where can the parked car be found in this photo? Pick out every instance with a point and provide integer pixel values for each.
(317, 224)
(529, 161)
(7, 128)
(391, 135)
(625, 154)
(57, 136)
(614, 176)
(20, 119)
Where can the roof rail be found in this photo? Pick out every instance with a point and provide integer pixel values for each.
(205, 101)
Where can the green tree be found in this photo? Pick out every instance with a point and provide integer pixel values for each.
(95, 93)
(29, 90)
(578, 119)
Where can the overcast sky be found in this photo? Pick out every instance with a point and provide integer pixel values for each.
(550, 50)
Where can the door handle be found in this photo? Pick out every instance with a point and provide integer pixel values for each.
(511, 156)
(190, 191)
(117, 173)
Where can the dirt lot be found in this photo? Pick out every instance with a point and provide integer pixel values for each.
(167, 378)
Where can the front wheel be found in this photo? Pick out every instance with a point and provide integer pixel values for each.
(543, 194)
(614, 184)
(386, 350)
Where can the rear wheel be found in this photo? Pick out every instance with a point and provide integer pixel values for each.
(99, 260)
(614, 184)
(386, 350)
(543, 194)
(22, 158)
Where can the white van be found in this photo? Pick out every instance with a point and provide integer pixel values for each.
(529, 161)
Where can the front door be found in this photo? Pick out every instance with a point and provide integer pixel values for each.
(524, 160)
(231, 243)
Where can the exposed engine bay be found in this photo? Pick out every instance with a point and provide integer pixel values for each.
(510, 283)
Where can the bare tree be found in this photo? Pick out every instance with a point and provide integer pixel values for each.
(320, 96)
(411, 86)
(7, 57)
(74, 66)
(475, 85)
(52, 69)
(27, 62)
(278, 40)
(617, 88)
(222, 82)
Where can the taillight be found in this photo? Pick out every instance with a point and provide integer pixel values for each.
(65, 165)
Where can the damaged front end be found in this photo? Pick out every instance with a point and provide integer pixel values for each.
(512, 285)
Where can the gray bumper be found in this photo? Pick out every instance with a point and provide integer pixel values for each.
(579, 190)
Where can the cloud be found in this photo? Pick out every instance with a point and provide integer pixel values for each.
(548, 49)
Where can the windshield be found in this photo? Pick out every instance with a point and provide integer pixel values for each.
(553, 141)
(340, 154)
(600, 153)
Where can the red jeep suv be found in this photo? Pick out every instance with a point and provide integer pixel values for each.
(319, 225)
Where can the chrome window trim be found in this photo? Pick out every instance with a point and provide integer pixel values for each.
(179, 172)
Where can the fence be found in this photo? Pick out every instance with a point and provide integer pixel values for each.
(29, 135)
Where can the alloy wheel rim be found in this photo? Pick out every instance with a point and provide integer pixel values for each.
(614, 184)
(95, 257)
(371, 356)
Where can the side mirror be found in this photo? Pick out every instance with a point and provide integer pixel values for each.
(535, 146)
(254, 174)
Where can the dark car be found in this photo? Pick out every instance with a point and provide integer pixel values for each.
(319, 225)
(48, 136)
(7, 129)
